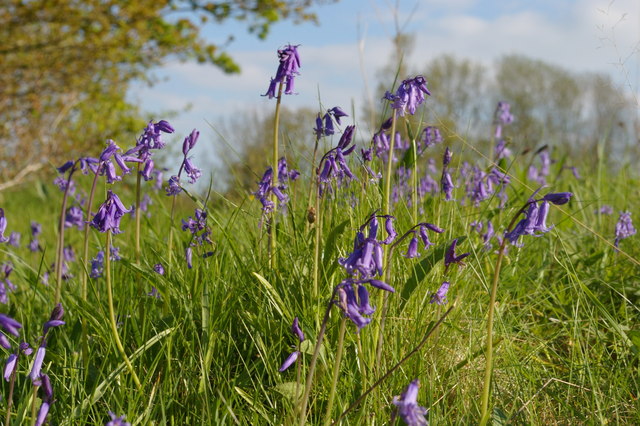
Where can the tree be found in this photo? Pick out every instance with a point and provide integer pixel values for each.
(66, 65)
(250, 135)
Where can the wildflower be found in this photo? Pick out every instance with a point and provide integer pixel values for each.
(356, 306)
(173, 187)
(97, 265)
(409, 96)
(188, 254)
(14, 239)
(289, 361)
(501, 116)
(450, 255)
(558, 198)
(74, 217)
(412, 251)
(149, 140)
(117, 421)
(624, 227)
(605, 209)
(501, 150)
(424, 227)
(287, 70)
(440, 296)
(408, 409)
(333, 164)
(10, 325)
(190, 142)
(535, 216)
(3, 227)
(295, 329)
(159, 268)
(154, 293)
(431, 136)
(55, 320)
(109, 214)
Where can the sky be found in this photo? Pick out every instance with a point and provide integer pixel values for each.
(341, 55)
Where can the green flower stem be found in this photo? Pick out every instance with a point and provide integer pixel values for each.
(383, 296)
(170, 244)
(313, 183)
(316, 248)
(395, 367)
(314, 361)
(273, 237)
(112, 316)
(414, 192)
(488, 371)
(138, 215)
(87, 267)
(33, 405)
(60, 247)
(336, 370)
(386, 209)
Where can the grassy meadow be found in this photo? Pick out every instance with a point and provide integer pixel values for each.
(206, 342)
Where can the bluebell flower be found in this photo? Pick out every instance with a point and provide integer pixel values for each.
(451, 257)
(173, 187)
(408, 409)
(97, 265)
(159, 268)
(412, 251)
(289, 361)
(296, 330)
(410, 94)
(109, 214)
(624, 227)
(430, 136)
(287, 70)
(14, 239)
(440, 296)
(74, 217)
(117, 420)
(3, 227)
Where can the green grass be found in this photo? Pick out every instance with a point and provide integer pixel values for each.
(208, 351)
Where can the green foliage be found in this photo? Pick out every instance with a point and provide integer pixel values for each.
(208, 350)
(69, 63)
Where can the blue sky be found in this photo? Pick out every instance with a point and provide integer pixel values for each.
(352, 41)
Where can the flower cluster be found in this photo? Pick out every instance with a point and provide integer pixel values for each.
(410, 94)
(363, 264)
(501, 117)
(148, 141)
(36, 230)
(193, 173)
(266, 186)
(287, 70)
(324, 125)
(333, 165)
(355, 302)
(109, 214)
(534, 222)
(430, 136)
(446, 182)
(624, 227)
(107, 167)
(37, 378)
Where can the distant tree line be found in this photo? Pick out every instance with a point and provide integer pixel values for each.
(552, 106)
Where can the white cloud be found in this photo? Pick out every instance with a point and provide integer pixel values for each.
(588, 35)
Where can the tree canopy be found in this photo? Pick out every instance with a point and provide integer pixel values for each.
(66, 65)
